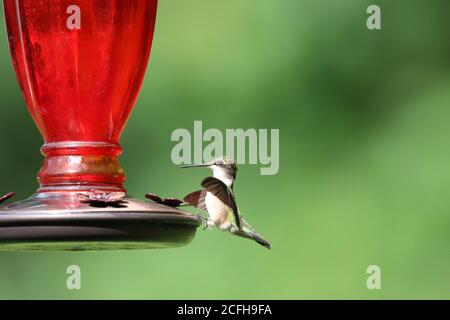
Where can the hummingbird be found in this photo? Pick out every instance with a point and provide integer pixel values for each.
(217, 198)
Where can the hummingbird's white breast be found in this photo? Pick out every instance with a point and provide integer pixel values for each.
(217, 210)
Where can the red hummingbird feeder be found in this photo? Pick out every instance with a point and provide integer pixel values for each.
(80, 68)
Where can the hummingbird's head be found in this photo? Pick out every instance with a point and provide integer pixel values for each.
(223, 168)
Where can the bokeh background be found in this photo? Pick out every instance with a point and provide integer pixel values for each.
(364, 165)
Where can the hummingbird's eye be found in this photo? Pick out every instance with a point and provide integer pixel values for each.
(220, 163)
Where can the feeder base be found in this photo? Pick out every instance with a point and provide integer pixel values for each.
(60, 222)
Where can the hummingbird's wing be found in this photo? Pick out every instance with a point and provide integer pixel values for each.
(196, 199)
(224, 193)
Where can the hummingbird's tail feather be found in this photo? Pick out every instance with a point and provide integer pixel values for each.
(260, 240)
(248, 233)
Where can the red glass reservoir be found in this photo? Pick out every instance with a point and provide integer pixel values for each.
(80, 66)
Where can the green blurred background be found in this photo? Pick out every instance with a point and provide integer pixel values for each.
(364, 156)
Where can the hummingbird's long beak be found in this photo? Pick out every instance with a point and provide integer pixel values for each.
(195, 165)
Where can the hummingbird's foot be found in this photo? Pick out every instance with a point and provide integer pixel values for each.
(203, 219)
(209, 224)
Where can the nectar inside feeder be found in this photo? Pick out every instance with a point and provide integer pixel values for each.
(80, 69)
